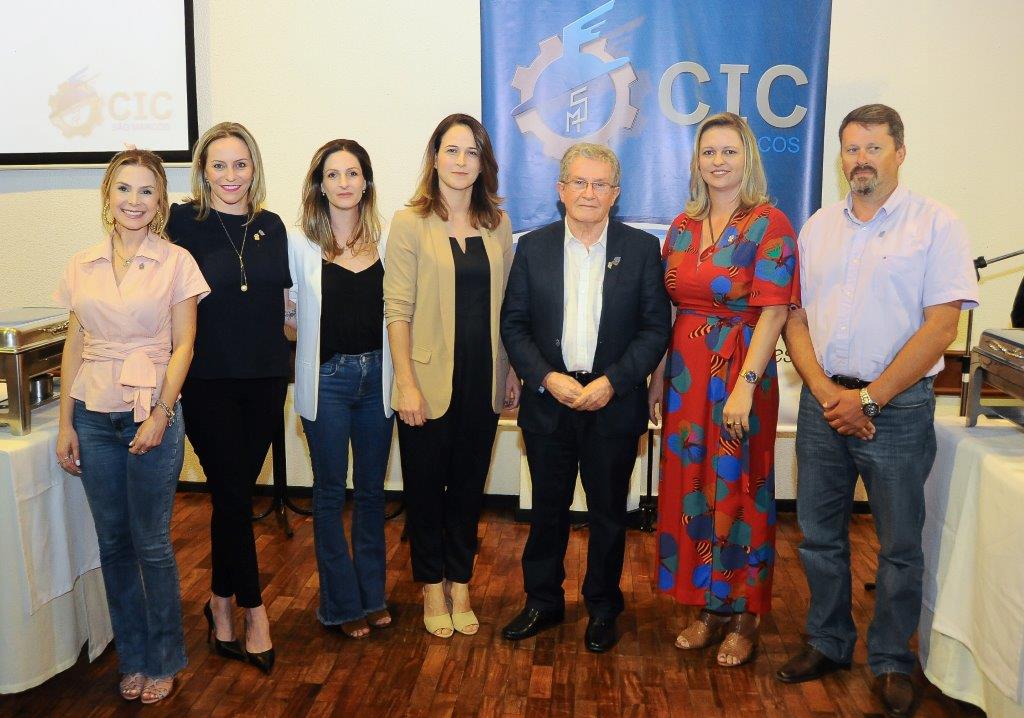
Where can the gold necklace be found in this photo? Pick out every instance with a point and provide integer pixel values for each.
(124, 262)
(238, 252)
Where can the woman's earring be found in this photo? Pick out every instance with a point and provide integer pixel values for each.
(157, 225)
(108, 217)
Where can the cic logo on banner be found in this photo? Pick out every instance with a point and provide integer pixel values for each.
(571, 70)
(639, 76)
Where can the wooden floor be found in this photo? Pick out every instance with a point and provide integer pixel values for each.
(402, 671)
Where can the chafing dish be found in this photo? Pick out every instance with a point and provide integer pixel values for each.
(997, 361)
(31, 344)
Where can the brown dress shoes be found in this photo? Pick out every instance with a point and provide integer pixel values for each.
(808, 665)
(897, 693)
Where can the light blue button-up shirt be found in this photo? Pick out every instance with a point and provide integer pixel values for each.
(865, 284)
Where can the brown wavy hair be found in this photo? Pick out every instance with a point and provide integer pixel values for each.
(138, 158)
(485, 204)
(315, 217)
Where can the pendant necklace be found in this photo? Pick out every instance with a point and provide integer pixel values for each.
(238, 252)
(124, 262)
(715, 239)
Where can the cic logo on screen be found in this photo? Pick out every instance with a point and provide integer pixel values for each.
(578, 64)
(76, 108)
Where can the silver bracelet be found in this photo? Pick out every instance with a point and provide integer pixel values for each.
(167, 410)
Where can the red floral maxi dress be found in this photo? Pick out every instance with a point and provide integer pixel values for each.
(716, 503)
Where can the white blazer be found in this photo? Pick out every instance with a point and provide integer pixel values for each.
(305, 261)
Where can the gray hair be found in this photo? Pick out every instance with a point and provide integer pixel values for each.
(590, 151)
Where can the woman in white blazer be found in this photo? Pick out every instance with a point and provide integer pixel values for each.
(343, 379)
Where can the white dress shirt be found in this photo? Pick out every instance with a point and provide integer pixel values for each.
(584, 295)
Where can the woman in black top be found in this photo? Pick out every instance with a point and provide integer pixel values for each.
(343, 379)
(235, 391)
(448, 259)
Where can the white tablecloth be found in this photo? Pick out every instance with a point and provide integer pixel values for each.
(53, 595)
(972, 622)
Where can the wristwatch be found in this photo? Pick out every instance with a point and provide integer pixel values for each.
(868, 405)
(749, 376)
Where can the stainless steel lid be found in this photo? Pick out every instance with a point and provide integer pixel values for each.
(24, 328)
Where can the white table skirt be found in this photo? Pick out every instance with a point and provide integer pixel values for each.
(53, 597)
(972, 622)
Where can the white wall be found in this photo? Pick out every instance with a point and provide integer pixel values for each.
(298, 74)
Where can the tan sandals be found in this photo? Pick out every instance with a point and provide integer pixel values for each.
(737, 635)
(131, 686)
(739, 646)
(157, 689)
(707, 630)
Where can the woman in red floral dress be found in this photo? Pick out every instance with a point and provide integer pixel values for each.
(731, 271)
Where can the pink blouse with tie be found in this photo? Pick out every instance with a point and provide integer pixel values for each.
(127, 327)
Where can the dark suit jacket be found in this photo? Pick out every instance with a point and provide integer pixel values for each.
(632, 336)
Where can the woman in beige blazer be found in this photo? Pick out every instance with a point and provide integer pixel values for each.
(448, 256)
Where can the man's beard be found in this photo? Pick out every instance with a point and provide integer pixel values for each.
(863, 186)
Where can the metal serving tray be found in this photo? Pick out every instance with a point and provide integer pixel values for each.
(31, 343)
(998, 361)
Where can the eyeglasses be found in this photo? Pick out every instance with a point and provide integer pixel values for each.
(580, 185)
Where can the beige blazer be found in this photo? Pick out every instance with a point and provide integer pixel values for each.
(419, 288)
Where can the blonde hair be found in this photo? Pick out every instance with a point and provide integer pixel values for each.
(138, 158)
(315, 217)
(753, 184)
(200, 199)
(485, 204)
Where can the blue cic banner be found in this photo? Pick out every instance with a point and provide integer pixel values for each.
(640, 76)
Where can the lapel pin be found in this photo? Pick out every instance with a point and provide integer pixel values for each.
(258, 236)
(614, 262)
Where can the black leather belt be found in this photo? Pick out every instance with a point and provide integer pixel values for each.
(583, 377)
(848, 382)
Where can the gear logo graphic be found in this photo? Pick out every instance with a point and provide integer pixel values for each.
(579, 57)
(76, 108)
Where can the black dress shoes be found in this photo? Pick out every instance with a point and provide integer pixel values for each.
(601, 634)
(530, 622)
(897, 693)
(807, 666)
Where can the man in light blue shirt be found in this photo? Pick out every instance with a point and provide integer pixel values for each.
(884, 275)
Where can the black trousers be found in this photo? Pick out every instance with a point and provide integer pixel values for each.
(444, 468)
(604, 463)
(230, 423)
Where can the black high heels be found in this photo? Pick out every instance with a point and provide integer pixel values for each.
(226, 649)
(264, 661)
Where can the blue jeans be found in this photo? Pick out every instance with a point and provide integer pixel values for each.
(350, 408)
(131, 497)
(894, 466)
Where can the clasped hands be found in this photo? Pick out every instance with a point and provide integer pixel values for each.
(574, 395)
(844, 412)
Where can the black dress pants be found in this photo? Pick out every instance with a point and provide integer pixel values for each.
(230, 423)
(444, 468)
(604, 464)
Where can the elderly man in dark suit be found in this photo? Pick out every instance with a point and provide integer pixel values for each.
(585, 321)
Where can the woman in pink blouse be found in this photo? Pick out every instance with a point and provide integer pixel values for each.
(132, 300)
